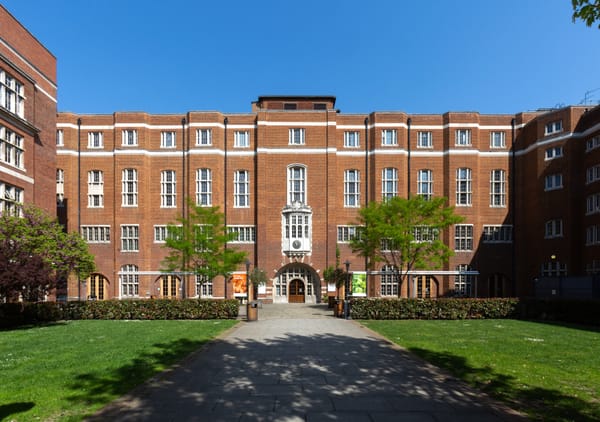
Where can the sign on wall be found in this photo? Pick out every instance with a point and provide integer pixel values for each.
(239, 285)
(359, 283)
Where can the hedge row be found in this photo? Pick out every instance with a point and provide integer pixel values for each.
(559, 310)
(15, 314)
(374, 308)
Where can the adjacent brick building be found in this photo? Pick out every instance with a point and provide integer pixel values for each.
(291, 175)
(27, 118)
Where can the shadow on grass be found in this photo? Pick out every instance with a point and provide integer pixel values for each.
(7, 410)
(30, 326)
(539, 403)
(99, 388)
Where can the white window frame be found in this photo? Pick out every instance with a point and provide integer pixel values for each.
(553, 152)
(497, 233)
(464, 187)
(60, 186)
(553, 127)
(95, 189)
(592, 204)
(592, 143)
(389, 182)
(351, 188)
(241, 139)
(204, 286)
(168, 139)
(297, 136)
(352, 139)
(423, 233)
(12, 94)
(168, 189)
(95, 139)
(389, 281)
(129, 187)
(204, 187)
(129, 138)
(11, 199)
(11, 148)
(553, 182)
(346, 233)
(425, 139)
(463, 283)
(463, 137)
(498, 188)
(497, 139)
(204, 137)
(389, 137)
(425, 183)
(241, 189)
(296, 183)
(592, 235)
(96, 234)
(243, 234)
(592, 174)
(60, 138)
(553, 229)
(129, 281)
(463, 237)
(130, 238)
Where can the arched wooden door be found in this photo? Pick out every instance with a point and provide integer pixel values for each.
(297, 291)
(97, 287)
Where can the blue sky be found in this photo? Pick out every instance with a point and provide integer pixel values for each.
(492, 56)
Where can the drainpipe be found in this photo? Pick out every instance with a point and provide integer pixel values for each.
(408, 122)
(183, 201)
(78, 196)
(513, 206)
(225, 122)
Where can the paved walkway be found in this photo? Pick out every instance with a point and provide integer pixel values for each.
(299, 363)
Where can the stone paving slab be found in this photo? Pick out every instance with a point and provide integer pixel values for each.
(298, 363)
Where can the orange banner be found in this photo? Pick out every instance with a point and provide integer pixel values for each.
(239, 284)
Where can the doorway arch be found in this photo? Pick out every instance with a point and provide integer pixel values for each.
(297, 292)
(293, 277)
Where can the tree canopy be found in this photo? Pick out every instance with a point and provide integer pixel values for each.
(405, 233)
(586, 10)
(198, 245)
(36, 254)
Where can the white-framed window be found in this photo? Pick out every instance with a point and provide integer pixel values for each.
(463, 237)
(592, 143)
(553, 182)
(389, 137)
(425, 183)
(204, 286)
(296, 184)
(463, 137)
(352, 188)
(95, 189)
(161, 232)
(243, 234)
(553, 127)
(389, 182)
(130, 238)
(592, 268)
(96, 234)
(168, 189)
(592, 174)
(296, 136)
(129, 187)
(95, 139)
(592, 235)
(11, 199)
(553, 228)
(424, 139)
(346, 233)
(497, 139)
(497, 188)
(592, 204)
(425, 234)
(351, 139)
(241, 189)
(241, 139)
(553, 269)
(130, 137)
(11, 148)
(389, 281)
(167, 139)
(463, 283)
(60, 186)
(553, 152)
(203, 137)
(129, 280)
(497, 233)
(12, 94)
(464, 187)
(60, 138)
(204, 187)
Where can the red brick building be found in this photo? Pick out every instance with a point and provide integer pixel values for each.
(291, 175)
(27, 118)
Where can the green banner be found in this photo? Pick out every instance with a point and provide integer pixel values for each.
(359, 284)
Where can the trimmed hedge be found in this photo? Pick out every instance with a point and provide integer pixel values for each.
(15, 314)
(393, 308)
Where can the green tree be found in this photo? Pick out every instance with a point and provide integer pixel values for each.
(198, 245)
(405, 233)
(586, 10)
(36, 254)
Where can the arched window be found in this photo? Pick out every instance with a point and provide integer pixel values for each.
(296, 184)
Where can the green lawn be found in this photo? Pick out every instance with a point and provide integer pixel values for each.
(69, 370)
(551, 372)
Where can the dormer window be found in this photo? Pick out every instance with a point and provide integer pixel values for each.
(553, 127)
(290, 106)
